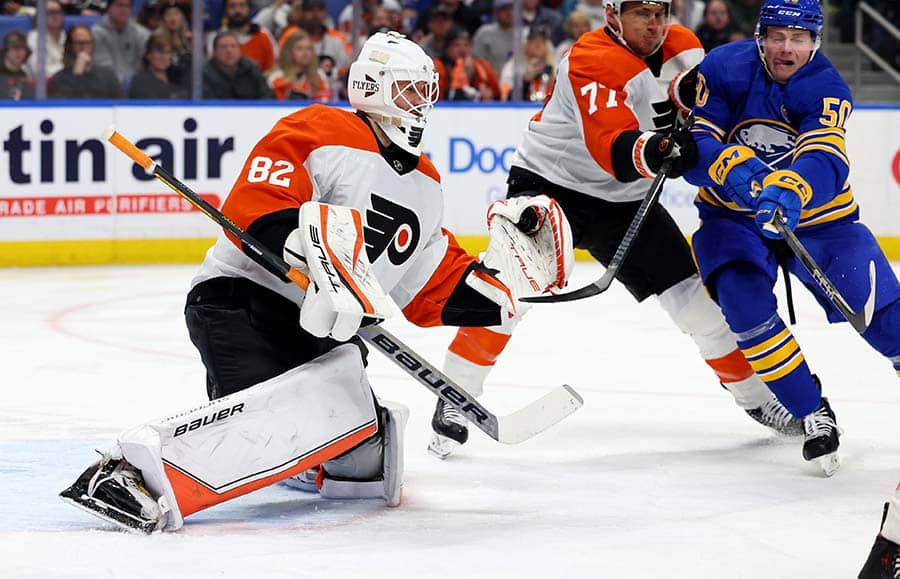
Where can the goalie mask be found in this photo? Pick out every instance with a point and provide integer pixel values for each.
(394, 82)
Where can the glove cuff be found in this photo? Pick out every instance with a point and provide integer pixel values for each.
(792, 181)
(728, 159)
(642, 163)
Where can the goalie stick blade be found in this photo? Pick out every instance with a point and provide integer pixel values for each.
(540, 415)
(510, 429)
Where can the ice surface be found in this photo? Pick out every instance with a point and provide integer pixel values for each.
(659, 475)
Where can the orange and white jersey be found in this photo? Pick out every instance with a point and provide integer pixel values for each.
(331, 156)
(602, 90)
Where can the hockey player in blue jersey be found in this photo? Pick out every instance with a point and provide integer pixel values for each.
(770, 116)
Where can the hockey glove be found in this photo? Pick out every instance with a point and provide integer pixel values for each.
(651, 149)
(784, 192)
(683, 90)
(740, 173)
(529, 252)
(344, 290)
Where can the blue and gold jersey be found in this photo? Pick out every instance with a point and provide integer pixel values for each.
(798, 126)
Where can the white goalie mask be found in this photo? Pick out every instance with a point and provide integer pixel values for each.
(394, 82)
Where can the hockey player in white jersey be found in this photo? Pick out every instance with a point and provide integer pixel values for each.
(601, 136)
(350, 199)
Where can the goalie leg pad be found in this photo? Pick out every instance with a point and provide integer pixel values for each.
(342, 475)
(255, 437)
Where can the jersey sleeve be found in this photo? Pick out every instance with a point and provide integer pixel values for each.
(434, 292)
(272, 184)
(822, 104)
(712, 114)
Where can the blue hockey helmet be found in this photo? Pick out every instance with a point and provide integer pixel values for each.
(800, 14)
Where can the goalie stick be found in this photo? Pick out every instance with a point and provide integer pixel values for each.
(509, 429)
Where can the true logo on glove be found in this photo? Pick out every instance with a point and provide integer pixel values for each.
(333, 278)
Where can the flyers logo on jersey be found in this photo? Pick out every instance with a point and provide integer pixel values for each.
(368, 86)
(390, 227)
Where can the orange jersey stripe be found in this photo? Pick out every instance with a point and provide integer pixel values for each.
(193, 496)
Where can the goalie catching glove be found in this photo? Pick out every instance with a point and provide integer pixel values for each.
(529, 252)
(343, 289)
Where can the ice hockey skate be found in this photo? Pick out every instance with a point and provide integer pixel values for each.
(450, 430)
(884, 558)
(822, 438)
(774, 415)
(113, 490)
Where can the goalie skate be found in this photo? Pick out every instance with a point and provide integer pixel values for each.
(113, 490)
(822, 438)
(450, 430)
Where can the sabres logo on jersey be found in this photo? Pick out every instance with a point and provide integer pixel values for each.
(773, 142)
(390, 227)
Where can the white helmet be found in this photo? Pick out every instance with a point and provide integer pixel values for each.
(379, 85)
(616, 6)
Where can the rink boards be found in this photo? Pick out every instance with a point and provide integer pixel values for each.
(68, 198)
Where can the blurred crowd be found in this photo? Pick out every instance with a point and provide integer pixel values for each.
(301, 49)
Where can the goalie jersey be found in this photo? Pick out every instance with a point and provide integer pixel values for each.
(797, 126)
(602, 91)
(332, 156)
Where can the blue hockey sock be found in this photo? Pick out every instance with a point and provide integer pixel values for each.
(776, 357)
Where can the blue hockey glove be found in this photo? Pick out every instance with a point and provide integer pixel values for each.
(740, 173)
(772, 199)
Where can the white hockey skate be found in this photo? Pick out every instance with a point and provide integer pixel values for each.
(774, 415)
(450, 430)
(822, 438)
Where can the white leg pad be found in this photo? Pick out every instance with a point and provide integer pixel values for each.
(697, 315)
(255, 437)
(390, 485)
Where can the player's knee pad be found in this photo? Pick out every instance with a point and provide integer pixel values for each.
(374, 469)
(695, 314)
(255, 437)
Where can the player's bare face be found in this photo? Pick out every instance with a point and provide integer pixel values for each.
(643, 26)
(786, 50)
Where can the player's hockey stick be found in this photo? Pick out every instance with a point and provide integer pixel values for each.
(859, 320)
(602, 284)
(509, 429)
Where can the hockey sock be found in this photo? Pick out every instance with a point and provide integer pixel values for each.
(775, 355)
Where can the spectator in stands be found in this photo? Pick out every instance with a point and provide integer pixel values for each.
(256, 43)
(691, 18)
(494, 42)
(88, 7)
(15, 8)
(149, 16)
(577, 23)
(594, 10)
(330, 44)
(464, 77)
(56, 38)
(175, 17)
(274, 17)
(228, 75)
(716, 28)
(15, 82)
(439, 24)
(537, 68)
(81, 77)
(298, 76)
(533, 14)
(152, 81)
(119, 41)
(744, 14)
(460, 14)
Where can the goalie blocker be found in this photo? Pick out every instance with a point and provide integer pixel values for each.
(320, 413)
